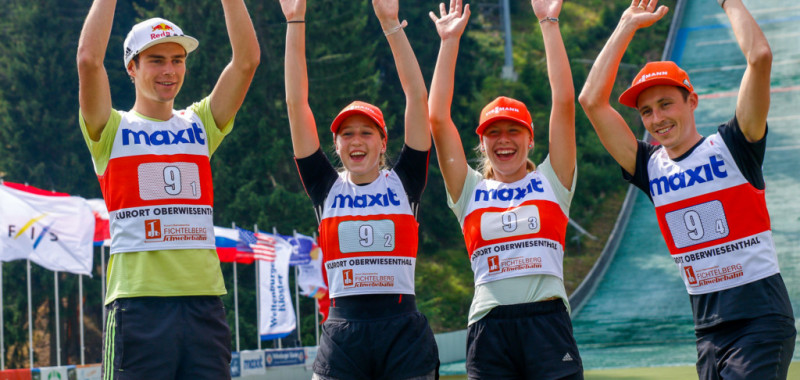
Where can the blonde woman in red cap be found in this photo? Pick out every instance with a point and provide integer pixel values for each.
(708, 194)
(513, 214)
(367, 217)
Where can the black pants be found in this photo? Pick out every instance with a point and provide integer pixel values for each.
(376, 337)
(759, 348)
(524, 341)
(166, 338)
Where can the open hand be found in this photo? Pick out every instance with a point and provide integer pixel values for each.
(643, 13)
(451, 23)
(546, 8)
(386, 10)
(294, 9)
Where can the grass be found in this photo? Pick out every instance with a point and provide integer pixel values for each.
(649, 373)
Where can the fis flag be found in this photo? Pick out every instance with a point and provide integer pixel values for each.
(277, 318)
(54, 230)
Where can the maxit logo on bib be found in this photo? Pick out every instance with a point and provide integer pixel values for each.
(701, 174)
(510, 193)
(366, 200)
(193, 135)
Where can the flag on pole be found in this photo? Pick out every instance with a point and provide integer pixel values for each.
(264, 248)
(102, 233)
(310, 277)
(54, 230)
(301, 249)
(268, 246)
(277, 318)
(225, 239)
(244, 253)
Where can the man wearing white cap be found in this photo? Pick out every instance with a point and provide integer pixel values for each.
(708, 194)
(164, 278)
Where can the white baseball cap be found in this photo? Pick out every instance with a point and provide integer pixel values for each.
(155, 31)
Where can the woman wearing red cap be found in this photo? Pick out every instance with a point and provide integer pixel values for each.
(367, 217)
(513, 214)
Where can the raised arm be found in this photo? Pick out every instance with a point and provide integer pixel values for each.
(753, 102)
(562, 114)
(452, 161)
(417, 133)
(229, 92)
(612, 129)
(301, 121)
(94, 93)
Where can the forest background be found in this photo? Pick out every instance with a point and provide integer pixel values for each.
(255, 178)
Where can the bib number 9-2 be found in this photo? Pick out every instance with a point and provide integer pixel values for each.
(366, 236)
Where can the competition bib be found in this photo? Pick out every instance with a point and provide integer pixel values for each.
(715, 223)
(515, 229)
(158, 187)
(369, 236)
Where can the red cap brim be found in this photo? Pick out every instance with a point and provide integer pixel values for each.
(337, 122)
(493, 119)
(630, 97)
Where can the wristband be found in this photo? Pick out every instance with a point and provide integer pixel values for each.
(551, 19)
(395, 29)
(296, 22)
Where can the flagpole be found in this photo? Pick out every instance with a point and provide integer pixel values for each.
(297, 297)
(30, 317)
(80, 313)
(235, 297)
(275, 233)
(58, 323)
(258, 298)
(2, 325)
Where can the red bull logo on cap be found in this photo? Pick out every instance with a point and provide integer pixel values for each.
(162, 26)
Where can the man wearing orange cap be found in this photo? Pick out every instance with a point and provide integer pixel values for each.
(164, 278)
(708, 194)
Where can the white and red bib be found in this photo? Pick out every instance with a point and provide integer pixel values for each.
(157, 185)
(369, 237)
(515, 229)
(715, 223)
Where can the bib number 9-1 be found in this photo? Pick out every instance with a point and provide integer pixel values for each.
(169, 180)
(366, 236)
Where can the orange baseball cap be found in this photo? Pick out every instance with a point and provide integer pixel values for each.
(362, 108)
(504, 108)
(654, 74)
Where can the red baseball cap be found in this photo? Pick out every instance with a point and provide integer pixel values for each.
(360, 108)
(504, 108)
(654, 74)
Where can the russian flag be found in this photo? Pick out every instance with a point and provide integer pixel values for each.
(226, 239)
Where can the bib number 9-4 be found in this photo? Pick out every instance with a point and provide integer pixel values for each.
(697, 224)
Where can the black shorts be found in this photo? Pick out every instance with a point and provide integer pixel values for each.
(380, 337)
(524, 341)
(759, 348)
(166, 338)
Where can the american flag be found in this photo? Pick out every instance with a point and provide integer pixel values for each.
(264, 246)
(244, 254)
